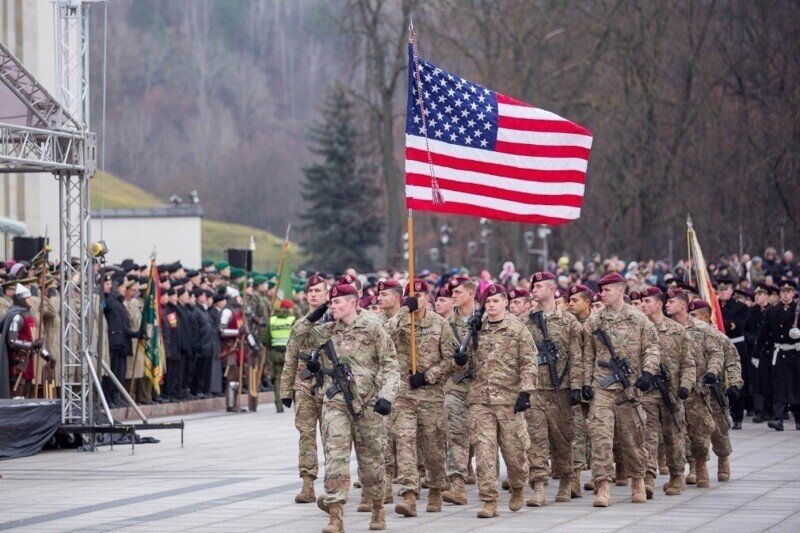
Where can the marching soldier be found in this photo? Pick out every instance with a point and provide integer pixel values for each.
(519, 302)
(734, 315)
(444, 302)
(580, 305)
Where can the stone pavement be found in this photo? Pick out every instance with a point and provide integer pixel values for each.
(238, 471)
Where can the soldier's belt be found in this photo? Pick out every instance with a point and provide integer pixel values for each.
(737, 340)
(787, 347)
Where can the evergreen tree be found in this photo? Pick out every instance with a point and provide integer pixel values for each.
(344, 216)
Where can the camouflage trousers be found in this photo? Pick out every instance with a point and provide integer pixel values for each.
(458, 438)
(581, 445)
(699, 426)
(612, 416)
(307, 415)
(417, 424)
(720, 440)
(660, 423)
(490, 426)
(339, 434)
(550, 429)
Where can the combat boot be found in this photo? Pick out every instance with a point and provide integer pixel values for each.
(691, 479)
(621, 477)
(517, 499)
(538, 499)
(407, 507)
(365, 505)
(471, 480)
(306, 494)
(703, 481)
(564, 491)
(638, 493)
(674, 486)
(457, 495)
(434, 501)
(649, 485)
(723, 469)
(603, 498)
(388, 494)
(335, 524)
(377, 521)
(575, 485)
(324, 507)
(506, 485)
(589, 485)
(489, 510)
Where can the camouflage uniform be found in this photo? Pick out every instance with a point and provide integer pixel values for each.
(581, 444)
(424, 406)
(634, 338)
(676, 356)
(720, 440)
(457, 408)
(551, 428)
(504, 365)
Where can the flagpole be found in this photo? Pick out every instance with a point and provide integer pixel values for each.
(281, 261)
(410, 229)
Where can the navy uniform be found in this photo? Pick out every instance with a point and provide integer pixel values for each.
(734, 315)
(760, 359)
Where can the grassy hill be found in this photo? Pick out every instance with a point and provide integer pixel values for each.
(217, 236)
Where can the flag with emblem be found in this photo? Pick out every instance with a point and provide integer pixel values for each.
(473, 151)
(150, 327)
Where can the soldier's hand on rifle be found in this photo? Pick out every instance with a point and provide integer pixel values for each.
(412, 303)
(38, 343)
(317, 313)
(587, 392)
(523, 402)
(461, 358)
(287, 402)
(683, 393)
(383, 407)
(733, 393)
(574, 396)
(710, 378)
(417, 380)
(313, 365)
(644, 382)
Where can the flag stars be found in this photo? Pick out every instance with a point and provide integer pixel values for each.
(484, 142)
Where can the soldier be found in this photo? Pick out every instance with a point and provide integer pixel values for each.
(732, 378)
(119, 335)
(678, 375)
(444, 302)
(580, 305)
(734, 315)
(369, 304)
(760, 360)
(519, 302)
(135, 367)
(613, 409)
(171, 332)
(366, 347)
(390, 295)
(597, 303)
(418, 415)
(550, 426)
(7, 299)
(708, 359)
(280, 327)
(231, 329)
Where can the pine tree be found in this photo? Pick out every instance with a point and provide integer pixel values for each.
(344, 215)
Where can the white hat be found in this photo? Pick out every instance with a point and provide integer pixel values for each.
(22, 291)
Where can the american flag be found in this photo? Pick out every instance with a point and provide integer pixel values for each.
(490, 155)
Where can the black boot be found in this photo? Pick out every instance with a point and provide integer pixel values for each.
(777, 425)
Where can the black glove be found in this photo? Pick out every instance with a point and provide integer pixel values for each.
(683, 393)
(287, 402)
(383, 407)
(733, 393)
(317, 313)
(574, 396)
(523, 402)
(644, 381)
(587, 392)
(417, 380)
(461, 358)
(313, 365)
(412, 303)
(710, 378)
(38, 343)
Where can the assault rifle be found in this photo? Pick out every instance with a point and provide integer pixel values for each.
(548, 354)
(661, 381)
(343, 379)
(620, 370)
(474, 326)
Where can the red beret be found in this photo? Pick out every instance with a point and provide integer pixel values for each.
(608, 279)
(388, 284)
(444, 292)
(286, 304)
(491, 290)
(651, 291)
(694, 305)
(513, 294)
(596, 297)
(673, 292)
(316, 279)
(635, 295)
(543, 276)
(367, 301)
(577, 288)
(347, 279)
(457, 281)
(420, 285)
(341, 290)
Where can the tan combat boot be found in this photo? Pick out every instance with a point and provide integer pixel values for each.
(575, 485)
(703, 482)
(407, 507)
(335, 525)
(638, 493)
(691, 479)
(649, 485)
(471, 479)
(365, 505)
(589, 485)
(306, 494)
(388, 492)
(322, 505)
(377, 521)
(489, 510)
(434, 501)
(564, 490)
(603, 498)
(674, 486)
(538, 499)
(457, 495)
(621, 477)
(517, 499)
(723, 469)
(506, 485)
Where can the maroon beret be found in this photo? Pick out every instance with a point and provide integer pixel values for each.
(513, 294)
(543, 276)
(367, 301)
(596, 297)
(651, 291)
(577, 288)
(694, 305)
(341, 290)
(457, 281)
(347, 279)
(635, 295)
(316, 279)
(491, 290)
(388, 284)
(420, 285)
(608, 279)
(673, 292)
(444, 292)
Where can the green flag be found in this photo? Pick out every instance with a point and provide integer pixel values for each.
(153, 369)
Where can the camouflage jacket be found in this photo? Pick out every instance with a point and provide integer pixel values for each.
(436, 345)
(707, 349)
(565, 331)
(293, 366)
(675, 347)
(732, 363)
(460, 328)
(633, 337)
(504, 363)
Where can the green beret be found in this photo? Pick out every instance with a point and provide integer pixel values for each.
(237, 272)
(207, 263)
(271, 274)
(258, 280)
(271, 284)
(222, 265)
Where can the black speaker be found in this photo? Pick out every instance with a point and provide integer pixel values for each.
(26, 248)
(240, 258)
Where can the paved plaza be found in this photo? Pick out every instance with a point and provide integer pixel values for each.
(237, 472)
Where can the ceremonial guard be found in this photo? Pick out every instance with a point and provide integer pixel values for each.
(734, 316)
(761, 359)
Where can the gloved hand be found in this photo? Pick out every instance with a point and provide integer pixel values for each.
(313, 365)
(317, 313)
(412, 303)
(287, 402)
(710, 378)
(644, 381)
(417, 380)
(38, 343)
(683, 393)
(587, 392)
(383, 407)
(733, 393)
(461, 358)
(523, 402)
(574, 396)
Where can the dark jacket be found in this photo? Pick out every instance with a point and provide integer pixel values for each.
(119, 331)
(207, 332)
(188, 332)
(170, 331)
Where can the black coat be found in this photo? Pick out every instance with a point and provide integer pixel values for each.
(778, 320)
(761, 376)
(185, 332)
(170, 331)
(213, 314)
(207, 332)
(118, 321)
